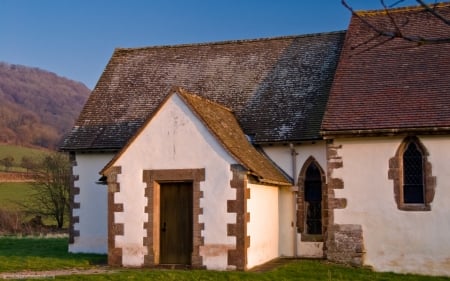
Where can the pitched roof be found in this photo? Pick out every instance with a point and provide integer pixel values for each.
(386, 86)
(222, 124)
(277, 87)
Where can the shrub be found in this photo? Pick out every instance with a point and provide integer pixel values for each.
(11, 222)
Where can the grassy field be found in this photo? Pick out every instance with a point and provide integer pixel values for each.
(18, 152)
(11, 192)
(20, 254)
(14, 193)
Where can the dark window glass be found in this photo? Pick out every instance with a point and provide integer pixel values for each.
(313, 198)
(413, 185)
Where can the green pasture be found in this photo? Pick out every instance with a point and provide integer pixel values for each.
(12, 192)
(18, 152)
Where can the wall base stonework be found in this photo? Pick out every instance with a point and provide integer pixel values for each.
(345, 244)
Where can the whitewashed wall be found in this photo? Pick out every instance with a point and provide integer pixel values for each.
(263, 225)
(176, 139)
(93, 222)
(282, 156)
(394, 240)
(287, 230)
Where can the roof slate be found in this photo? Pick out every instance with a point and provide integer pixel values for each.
(223, 124)
(395, 85)
(277, 87)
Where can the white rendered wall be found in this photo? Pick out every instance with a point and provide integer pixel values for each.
(263, 225)
(282, 156)
(176, 139)
(395, 240)
(286, 227)
(93, 212)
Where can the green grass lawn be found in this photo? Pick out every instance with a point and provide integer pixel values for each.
(20, 254)
(12, 192)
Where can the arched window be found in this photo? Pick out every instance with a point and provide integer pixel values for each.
(411, 173)
(310, 201)
(313, 200)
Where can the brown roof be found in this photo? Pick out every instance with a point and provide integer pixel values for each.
(222, 124)
(392, 86)
(277, 87)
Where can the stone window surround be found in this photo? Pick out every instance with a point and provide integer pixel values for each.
(301, 214)
(152, 178)
(395, 174)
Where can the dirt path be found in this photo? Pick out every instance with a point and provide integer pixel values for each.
(54, 273)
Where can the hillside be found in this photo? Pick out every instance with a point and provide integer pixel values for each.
(37, 107)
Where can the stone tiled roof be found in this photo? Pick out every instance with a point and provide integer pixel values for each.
(277, 87)
(393, 86)
(223, 125)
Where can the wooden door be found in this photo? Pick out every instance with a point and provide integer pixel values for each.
(176, 223)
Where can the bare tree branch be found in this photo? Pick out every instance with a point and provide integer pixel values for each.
(398, 33)
(51, 188)
(433, 12)
(394, 23)
(374, 46)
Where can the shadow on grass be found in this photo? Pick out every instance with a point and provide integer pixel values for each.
(42, 254)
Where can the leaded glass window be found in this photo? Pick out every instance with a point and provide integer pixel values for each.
(313, 199)
(413, 183)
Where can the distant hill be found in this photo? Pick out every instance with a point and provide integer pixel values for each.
(37, 107)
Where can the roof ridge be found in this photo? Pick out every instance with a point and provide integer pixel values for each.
(269, 173)
(186, 93)
(415, 8)
(226, 42)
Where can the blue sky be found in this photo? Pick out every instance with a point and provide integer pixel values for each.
(76, 38)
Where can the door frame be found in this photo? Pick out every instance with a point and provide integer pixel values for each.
(153, 179)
